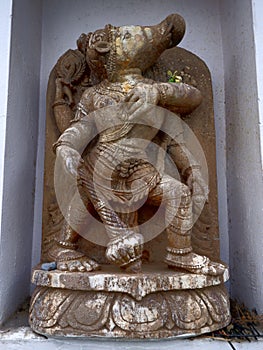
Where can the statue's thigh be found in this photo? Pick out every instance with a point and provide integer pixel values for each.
(167, 189)
(77, 207)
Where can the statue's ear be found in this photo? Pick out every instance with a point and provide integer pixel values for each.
(102, 47)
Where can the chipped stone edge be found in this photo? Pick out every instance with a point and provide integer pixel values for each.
(137, 285)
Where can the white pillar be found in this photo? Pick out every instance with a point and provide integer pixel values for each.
(244, 165)
(5, 40)
(18, 135)
(257, 8)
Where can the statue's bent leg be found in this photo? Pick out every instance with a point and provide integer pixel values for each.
(176, 198)
(64, 250)
(125, 242)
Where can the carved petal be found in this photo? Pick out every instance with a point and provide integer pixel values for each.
(89, 311)
(48, 305)
(216, 303)
(191, 314)
(150, 314)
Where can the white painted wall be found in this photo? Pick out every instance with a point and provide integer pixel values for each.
(257, 10)
(5, 32)
(20, 118)
(244, 167)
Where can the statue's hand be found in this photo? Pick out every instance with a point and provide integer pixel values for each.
(70, 159)
(63, 91)
(145, 93)
(140, 99)
(125, 249)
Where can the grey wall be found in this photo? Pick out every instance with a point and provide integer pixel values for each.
(20, 156)
(244, 167)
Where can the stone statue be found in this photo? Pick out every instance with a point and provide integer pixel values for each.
(109, 110)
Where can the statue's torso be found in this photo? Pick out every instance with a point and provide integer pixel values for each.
(119, 157)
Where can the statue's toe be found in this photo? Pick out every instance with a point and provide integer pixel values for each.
(83, 264)
(62, 266)
(213, 269)
(81, 268)
(74, 265)
(87, 266)
(94, 265)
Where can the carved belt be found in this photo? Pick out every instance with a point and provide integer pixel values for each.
(128, 167)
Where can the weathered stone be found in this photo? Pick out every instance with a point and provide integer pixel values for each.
(131, 176)
(182, 312)
(153, 278)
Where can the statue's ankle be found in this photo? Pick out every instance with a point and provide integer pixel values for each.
(66, 244)
(63, 250)
(179, 251)
(185, 259)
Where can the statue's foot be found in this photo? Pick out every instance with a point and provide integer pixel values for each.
(195, 263)
(83, 264)
(69, 259)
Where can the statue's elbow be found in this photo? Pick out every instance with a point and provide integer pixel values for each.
(194, 99)
(197, 99)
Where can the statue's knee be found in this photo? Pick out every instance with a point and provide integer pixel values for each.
(176, 190)
(186, 193)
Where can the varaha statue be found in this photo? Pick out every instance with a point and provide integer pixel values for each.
(113, 118)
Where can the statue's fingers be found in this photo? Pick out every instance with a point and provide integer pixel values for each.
(125, 256)
(132, 96)
(138, 250)
(133, 107)
(112, 254)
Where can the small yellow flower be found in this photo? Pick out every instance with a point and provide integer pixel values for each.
(173, 77)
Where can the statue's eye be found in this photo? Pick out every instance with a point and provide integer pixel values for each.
(127, 35)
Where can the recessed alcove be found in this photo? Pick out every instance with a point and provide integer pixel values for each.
(223, 33)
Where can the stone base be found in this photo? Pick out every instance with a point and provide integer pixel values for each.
(127, 307)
